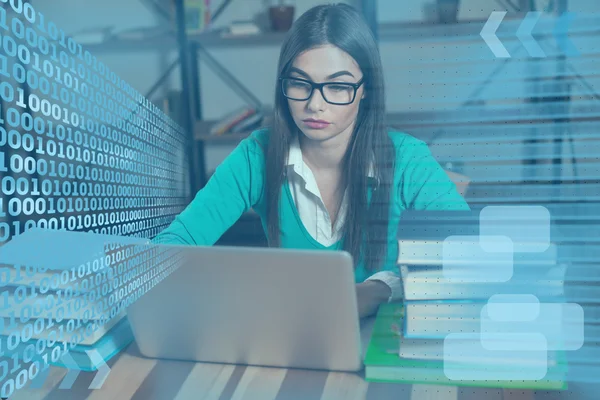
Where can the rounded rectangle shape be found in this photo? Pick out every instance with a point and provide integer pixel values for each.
(528, 226)
(460, 349)
(464, 260)
(561, 324)
(513, 307)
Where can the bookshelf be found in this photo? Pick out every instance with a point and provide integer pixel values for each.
(218, 38)
(202, 129)
(391, 31)
(211, 39)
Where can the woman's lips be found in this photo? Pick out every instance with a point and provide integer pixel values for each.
(315, 124)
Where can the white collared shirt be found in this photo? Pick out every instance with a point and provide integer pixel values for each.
(314, 214)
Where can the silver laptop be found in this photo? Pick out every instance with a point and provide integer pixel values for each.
(253, 306)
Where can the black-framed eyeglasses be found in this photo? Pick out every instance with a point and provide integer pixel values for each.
(338, 93)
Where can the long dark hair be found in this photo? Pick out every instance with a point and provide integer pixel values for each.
(342, 26)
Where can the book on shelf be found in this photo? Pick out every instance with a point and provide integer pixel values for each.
(94, 35)
(197, 15)
(231, 120)
(141, 33)
(248, 124)
(241, 28)
(383, 361)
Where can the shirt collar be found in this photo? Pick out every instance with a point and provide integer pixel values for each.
(297, 164)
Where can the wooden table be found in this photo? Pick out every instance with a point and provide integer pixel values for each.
(133, 376)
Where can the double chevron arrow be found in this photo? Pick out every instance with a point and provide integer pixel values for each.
(73, 371)
(524, 34)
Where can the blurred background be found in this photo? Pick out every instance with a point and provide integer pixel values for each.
(433, 55)
(506, 93)
(517, 123)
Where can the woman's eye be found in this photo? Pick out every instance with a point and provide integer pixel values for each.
(338, 88)
(297, 84)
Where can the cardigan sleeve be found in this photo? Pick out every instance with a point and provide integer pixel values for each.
(235, 187)
(424, 185)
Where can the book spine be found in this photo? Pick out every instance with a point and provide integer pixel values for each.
(207, 16)
(426, 253)
(236, 121)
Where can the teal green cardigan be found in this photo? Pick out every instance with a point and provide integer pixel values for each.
(238, 185)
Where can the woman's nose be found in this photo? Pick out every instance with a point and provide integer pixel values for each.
(316, 101)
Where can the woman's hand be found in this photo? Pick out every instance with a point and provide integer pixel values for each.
(370, 294)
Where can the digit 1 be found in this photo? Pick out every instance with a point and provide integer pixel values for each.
(17, 226)
(13, 321)
(5, 296)
(3, 67)
(34, 189)
(21, 100)
(50, 321)
(16, 362)
(41, 22)
(2, 169)
(18, 276)
(62, 40)
(3, 19)
(45, 358)
(32, 287)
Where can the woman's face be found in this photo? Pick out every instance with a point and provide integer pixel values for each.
(325, 64)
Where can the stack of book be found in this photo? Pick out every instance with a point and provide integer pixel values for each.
(394, 359)
(47, 293)
(107, 345)
(411, 341)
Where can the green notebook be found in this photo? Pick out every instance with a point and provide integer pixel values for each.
(382, 363)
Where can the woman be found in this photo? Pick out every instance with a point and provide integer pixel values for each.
(327, 174)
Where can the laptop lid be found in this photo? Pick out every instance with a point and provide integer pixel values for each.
(254, 306)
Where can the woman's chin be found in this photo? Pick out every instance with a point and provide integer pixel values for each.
(318, 134)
